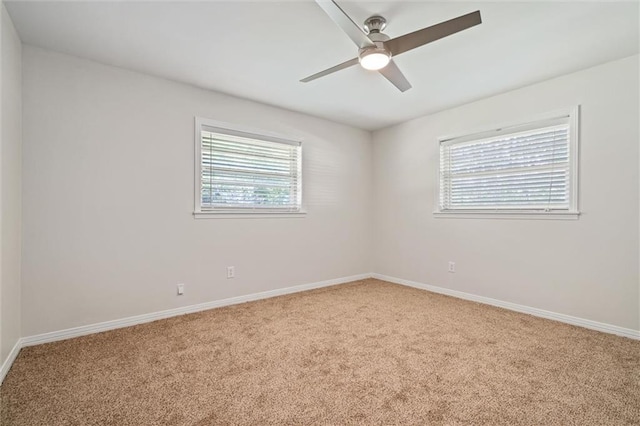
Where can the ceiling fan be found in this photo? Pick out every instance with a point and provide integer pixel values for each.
(376, 49)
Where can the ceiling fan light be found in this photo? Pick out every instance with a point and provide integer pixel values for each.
(374, 59)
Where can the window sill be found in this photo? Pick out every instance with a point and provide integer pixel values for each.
(247, 215)
(531, 215)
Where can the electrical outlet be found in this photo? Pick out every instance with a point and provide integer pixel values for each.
(180, 289)
(452, 267)
(231, 272)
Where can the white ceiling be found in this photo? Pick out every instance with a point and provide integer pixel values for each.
(260, 50)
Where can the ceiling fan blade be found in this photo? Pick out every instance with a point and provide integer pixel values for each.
(392, 73)
(352, 29)
(421, 37)
(328, 71)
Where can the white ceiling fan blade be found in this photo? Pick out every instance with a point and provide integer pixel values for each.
(352, 29)
(392, 73)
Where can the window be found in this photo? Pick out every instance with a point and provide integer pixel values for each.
(246, 172)
(528, 169)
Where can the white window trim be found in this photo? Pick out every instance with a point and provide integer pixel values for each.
(572, 213)
(228, 128)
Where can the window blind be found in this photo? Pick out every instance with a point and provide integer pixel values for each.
(248, 173)
(526, 170)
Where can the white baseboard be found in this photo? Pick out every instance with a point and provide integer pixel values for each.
(6, 365)
(84, 330)
(154, 316)
(140, 319)
(581, 322)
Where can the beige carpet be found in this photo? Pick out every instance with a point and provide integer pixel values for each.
(368, 352)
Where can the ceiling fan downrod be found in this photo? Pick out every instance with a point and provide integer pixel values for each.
(375, 24)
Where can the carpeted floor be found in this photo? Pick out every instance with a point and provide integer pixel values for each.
(367, 352)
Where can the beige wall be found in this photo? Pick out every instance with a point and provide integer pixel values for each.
(108, 198)
(586, 268)
(10, 186)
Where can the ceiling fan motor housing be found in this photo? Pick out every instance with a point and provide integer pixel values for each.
(374, 25)
(374, 57)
